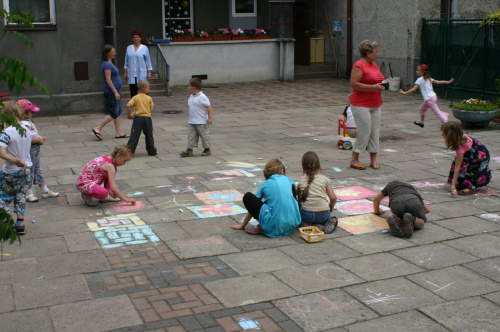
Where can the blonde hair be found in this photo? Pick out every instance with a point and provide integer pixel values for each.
(310, 166)
(273, 166)
(14, 109)
(122, 150)
(142, 84)
(366, 47)
(453, 135)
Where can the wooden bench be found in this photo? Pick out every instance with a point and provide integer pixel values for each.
(4, 96)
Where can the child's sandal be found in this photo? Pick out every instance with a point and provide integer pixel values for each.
(454, 192)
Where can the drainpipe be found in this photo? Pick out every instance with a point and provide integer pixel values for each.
(349, 38)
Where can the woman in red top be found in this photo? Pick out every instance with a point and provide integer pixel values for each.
(366, 101)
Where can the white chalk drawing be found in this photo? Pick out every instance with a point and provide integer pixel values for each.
(322, 275)
(332, 307)
(440, 287)
(379, 297)
(490, 216)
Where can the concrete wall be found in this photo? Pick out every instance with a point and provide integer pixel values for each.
(79, 38)
(211, 14)
(231, 61)
(147, 18)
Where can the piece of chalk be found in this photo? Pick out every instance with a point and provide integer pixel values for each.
(260, 158)
(180, 210)
(385, 231)
(34, 221)
(218, 163)
(162, 219)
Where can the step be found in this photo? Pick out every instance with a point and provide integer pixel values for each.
(314, 68)
(125, 94)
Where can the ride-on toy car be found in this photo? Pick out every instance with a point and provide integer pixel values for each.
(345, 140)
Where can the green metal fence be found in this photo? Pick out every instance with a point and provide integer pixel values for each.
(459, 48)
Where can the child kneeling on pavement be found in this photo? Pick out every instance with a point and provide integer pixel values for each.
(407, 205)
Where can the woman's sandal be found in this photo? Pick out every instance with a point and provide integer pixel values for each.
(358, 165)
(375, 165)
(466, 192)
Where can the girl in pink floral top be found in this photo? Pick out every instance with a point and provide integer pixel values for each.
(103, 170)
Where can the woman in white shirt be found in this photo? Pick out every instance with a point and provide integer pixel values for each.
(137, 63)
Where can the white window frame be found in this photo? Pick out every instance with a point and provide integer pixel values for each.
(254, 14)
(52, 11)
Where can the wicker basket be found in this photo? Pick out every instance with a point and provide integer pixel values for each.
(311, 234)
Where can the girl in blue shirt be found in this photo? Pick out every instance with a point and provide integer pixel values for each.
(279, 214)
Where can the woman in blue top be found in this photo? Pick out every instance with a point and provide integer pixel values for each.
(279, 214)
(112, 87)
(137, 63)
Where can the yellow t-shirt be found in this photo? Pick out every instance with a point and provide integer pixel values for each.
(142, 103)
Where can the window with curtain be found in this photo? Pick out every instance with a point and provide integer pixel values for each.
(38, 11)
(244, 8)
(178, 15)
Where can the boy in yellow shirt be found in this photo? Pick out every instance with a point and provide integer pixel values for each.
(143, 106)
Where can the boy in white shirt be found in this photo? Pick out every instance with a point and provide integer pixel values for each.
(200, 117)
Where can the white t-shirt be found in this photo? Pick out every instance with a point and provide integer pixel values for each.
(16, 146)
(31, 126)
(350, 124)
(425, 88)
(198, 104)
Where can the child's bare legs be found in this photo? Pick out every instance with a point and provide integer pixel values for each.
(419, 223)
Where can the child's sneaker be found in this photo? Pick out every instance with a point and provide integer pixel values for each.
(89, 200)
(206, 152)
(395, 226)
(418, 123)
(49, 194)
(31, 198)
(20, 230)
(331, 225)
(187, 153)
(408, 224)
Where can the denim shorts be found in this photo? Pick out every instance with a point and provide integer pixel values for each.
(319, 217)
(114, 106)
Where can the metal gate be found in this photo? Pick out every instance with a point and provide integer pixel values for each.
(459, 48)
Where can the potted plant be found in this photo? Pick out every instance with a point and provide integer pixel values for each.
(202, 36)
(475, 112)
(240, 34)
(221, 34)
(180, 35)
(259, 34)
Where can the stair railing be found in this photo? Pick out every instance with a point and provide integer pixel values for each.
(160, 65)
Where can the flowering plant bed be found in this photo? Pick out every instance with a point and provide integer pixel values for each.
(475, 105)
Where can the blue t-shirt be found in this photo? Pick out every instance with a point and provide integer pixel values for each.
(280, 215)
(115, 78)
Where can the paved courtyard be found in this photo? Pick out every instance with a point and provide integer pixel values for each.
(172, 263)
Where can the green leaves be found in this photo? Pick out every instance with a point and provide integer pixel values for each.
(15, 73)
(7, 231)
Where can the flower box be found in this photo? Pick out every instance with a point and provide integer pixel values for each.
(240, 37)
(202, 39)
(182, 38)
(221, 37)
(471, 118)
(260, 37)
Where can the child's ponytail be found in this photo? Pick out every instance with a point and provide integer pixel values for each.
(310, 166)
(425, 69)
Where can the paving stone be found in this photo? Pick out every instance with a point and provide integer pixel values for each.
(393, 295)
(458, 209)
(6, 298)
(167, 231)
(37, 247)
(378, 266)
(434, 256)
(72, 263)
(246, 242)
(27, 320)
(19, 270)
(256, 320)
(201, 247)
(493, 297)
(486, 203)
(488, 267)
(371, 243)
(95, 315)
(324, 310)
(469, 225)
(410, 321)
(318, 277)
(327, 250)
(249, 289)
(47, 292)
(472, 314)
(266, 260)
(139, 254)
(81, 242)
(208, 226)
(454, 283)
(432, 233)
(482, 246)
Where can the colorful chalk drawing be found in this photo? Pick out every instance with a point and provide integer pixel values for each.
(242, 164)
(366, 223)
(124, 207)
(490, 216)
(356, 192)
(222, 196)
(314, 133)
(497, 159)
(382, 298)
(137, 193)
(359, 206)
(249, 324)
(170, 204)
(427, 184)
(217, 210)
(231, 173)
(390, 150)
(119, 237)
(179, 189)
(188, 178)
(118, 221)
(331, 306)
